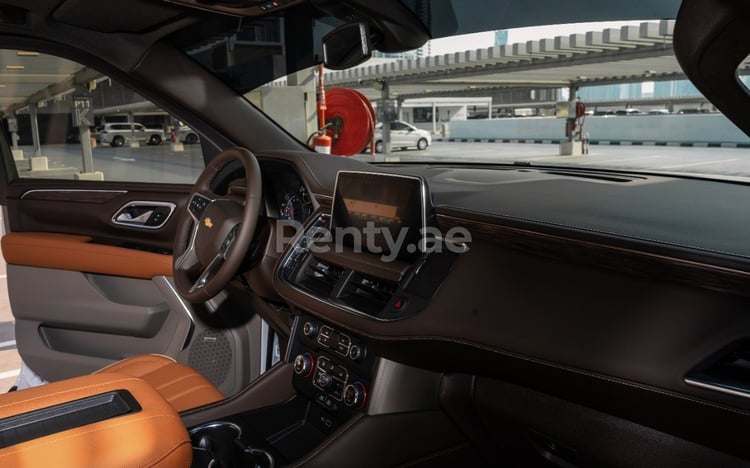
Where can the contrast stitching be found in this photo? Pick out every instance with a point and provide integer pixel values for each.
(108, 384)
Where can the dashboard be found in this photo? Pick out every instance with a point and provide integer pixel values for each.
(549, 288)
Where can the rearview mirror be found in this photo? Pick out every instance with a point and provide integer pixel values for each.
(347, 46)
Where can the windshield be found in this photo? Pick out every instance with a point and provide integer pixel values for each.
(601, 95)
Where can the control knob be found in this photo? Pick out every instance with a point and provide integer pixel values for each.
(303, 364)
(355, 395)
(357, 352)
(309, 329)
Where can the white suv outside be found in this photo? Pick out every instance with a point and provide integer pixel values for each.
(403, 135)
(117, 134)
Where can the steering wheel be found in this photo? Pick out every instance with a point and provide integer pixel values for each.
(214, 232)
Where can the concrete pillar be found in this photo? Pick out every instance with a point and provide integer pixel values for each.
(133, 140)
(385, 97)
(571, 147)
(35, 130)
(434, 117)
(84, 134)
(305, 79)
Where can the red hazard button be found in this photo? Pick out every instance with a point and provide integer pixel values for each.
(399, 304)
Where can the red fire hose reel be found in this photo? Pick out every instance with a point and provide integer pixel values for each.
(350, 121)
(346, 118)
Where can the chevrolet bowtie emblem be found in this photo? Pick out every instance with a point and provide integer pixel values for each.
(207, 222)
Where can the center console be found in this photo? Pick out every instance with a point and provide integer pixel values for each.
(331, 378)
(336, 385)
(332, 369)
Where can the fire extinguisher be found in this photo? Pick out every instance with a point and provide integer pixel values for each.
(322, 143)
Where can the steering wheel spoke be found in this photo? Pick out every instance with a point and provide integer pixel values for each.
(208, 272)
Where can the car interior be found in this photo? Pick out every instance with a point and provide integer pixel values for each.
(532, 316)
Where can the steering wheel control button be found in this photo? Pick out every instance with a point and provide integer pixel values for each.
(355, 395)
(198, 205)
(303, 365)
(309, 329)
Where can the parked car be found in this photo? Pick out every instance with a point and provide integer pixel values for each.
(185, 134)
(630, 111)
(118, 134)
(403, 136)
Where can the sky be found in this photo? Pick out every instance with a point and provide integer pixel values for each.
(487, 39)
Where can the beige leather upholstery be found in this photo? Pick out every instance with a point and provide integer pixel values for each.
(181, 386)
(152, 437)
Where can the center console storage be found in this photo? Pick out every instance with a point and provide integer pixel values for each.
(333, 372)
(126, 419)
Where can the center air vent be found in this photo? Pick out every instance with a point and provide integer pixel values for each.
(320, 277)
(367, 294)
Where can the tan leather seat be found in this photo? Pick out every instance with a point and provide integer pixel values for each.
(181, 386)
(153, 437)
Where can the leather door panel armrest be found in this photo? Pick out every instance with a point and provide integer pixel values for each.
(78, 253)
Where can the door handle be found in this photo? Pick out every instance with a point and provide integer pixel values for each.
(144, 214)
(127, 217)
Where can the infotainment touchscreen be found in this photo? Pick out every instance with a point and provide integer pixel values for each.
(380, 213)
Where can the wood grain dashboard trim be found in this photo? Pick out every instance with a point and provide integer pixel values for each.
(616, 258)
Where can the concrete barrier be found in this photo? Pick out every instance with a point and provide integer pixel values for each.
(709, 129)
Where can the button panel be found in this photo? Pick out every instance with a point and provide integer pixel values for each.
(198, 205)
(333, 369)
(338, 342)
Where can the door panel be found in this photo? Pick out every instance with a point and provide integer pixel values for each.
(88, 240)
(66, 208)
(71, 323)
(85, 291)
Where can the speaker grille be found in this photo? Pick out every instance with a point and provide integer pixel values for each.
(211, 355)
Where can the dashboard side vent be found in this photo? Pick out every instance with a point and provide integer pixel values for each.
(370, 295)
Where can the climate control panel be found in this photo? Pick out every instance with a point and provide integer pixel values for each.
(331, 367)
